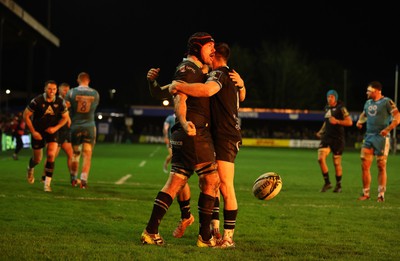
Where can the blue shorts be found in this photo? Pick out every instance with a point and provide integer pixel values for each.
(81, 135)
(379, 144)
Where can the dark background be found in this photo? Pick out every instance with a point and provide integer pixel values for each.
(116, 42)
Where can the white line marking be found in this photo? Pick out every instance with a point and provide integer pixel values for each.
(142, 163)
(123, 179)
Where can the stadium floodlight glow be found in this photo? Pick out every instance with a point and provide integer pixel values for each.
(165, 102)
(100, 117)
(8, 91)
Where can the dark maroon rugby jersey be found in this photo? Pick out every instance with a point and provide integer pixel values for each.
(198, 108)
(224, 106)
(46, 114)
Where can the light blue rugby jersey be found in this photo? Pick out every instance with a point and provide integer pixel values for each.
(378, 114)
(84, 101)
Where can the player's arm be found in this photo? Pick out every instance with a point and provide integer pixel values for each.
(395, 121)
(195, 89)
(154, 87)
(27, 115)
(321, 131)
(165, 132)
(347, 122)
(361, 120)
(180, 111)
(61, 122)
(235, 76)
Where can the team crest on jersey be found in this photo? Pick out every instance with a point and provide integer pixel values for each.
(49, 111)
(328, 114)
(372, 110)
(185, 68)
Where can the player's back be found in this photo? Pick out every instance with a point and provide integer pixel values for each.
(84, 101)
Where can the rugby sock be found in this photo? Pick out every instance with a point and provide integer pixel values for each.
(326, 177)
(161, 204)
(49, 168)
(339, 180)
(215, 218)
(205, 207)
(230, 219)
(185, 208)
(31, 164)
(47, 181)
(381, 191)
(366, 191)
(215, 214)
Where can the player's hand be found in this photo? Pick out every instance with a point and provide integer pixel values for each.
(189, 128)
(359, 125)
(236, 78)
(384, 132)
(51, 130)
(37, 135)
(333, 120)
(174, 86)
(152, 74)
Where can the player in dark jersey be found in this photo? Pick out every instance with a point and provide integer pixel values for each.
(381, 116)
(64, 135)
(332, 137)
(225, 126)
(44, 116)
(162, 92)
(190, 153)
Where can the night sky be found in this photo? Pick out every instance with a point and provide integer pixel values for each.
(118, 41)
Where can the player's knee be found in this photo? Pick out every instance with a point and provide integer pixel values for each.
(337, 159)
(75, 156)
(381, 161)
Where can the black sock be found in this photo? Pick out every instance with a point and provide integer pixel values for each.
(161, 204)
(326, 177)
(205, 206)
(338, 180)
(185, 208)
(215, 214)
(230, 219)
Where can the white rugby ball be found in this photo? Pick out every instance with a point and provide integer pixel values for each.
(267, 186)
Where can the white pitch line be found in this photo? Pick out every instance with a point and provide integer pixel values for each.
(142, 163)
(123, 179)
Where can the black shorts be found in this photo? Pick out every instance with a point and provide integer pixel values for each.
(64, 135)
(189, 151)
(336, 145)
(46, 138)
(226, 150)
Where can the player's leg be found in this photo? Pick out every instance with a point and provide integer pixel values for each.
(381, 161)
(87, 151)
(209, 185)
(323, 153)
(337, 163)
(226, 172)
(366, 161)
(161, 205)
(37, 155)
(51, 152)
(187, 217)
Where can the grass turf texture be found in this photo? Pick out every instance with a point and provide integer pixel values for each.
(105, 221)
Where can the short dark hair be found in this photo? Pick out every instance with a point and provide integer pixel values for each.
(49, 82)
(376, 85)
(223, 50)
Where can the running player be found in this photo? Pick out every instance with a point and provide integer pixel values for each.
(44, 116)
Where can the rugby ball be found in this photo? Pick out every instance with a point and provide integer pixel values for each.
(267, 186)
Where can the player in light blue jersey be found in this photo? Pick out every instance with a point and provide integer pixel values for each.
(82, 101)
(381, 116)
